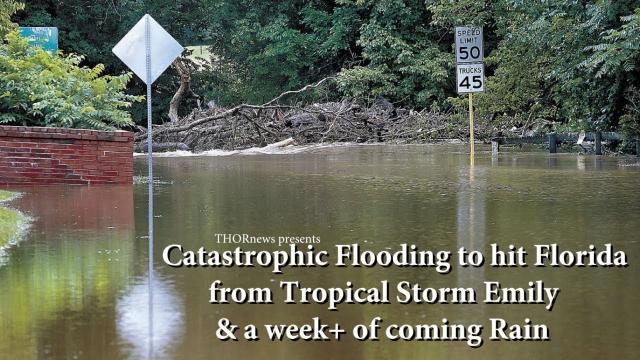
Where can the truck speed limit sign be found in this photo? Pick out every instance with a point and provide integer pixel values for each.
(469, 47)
(470, 78)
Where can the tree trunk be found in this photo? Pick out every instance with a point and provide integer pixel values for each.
(185, 86)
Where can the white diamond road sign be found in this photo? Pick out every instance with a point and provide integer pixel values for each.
(470, 78)
(148, 50)
(164, 49)
(469, 47)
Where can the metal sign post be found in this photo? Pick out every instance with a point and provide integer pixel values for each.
(148, 50)
(470, 70)
(147, 42)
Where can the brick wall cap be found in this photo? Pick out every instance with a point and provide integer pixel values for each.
(64, 133)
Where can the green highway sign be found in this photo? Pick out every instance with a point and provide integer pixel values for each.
(45, 37)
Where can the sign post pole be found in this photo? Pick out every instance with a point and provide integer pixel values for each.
(471, 135)
(148, 41)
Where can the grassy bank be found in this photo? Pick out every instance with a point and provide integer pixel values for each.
(4, 195)
(9, 220)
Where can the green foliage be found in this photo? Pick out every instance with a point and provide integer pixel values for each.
(540, 45)
(537, 53)
(630, 121)
(402, 58)
(365, 82)
(42, 89)
(269, 47)
(568, 62)
(546, 61)
(7, 9)
(5, 195)
(377, 48)
(615, 62)
(93, 28)
(448, 14)
(9, 220)
(621, 50)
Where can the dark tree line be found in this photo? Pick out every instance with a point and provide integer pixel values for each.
(573, 63)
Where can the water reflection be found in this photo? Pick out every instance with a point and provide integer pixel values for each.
(77, 286)
(470, 218)
(133, 322)
(69, 269)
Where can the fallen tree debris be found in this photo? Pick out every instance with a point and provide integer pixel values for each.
(141, 147)
(246, 126)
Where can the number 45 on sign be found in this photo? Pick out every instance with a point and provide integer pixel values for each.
(470, 78)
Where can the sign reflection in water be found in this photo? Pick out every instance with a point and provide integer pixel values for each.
(132, 322)
(470, 219)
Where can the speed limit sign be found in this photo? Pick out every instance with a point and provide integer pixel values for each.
(469, 47)
(469, 70)
(470, 78)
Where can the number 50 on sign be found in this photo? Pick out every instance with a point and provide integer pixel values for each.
(470, 78)
(469, 47)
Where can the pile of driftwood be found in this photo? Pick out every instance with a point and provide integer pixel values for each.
(247, 126)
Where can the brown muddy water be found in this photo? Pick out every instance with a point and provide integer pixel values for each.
(76, 288)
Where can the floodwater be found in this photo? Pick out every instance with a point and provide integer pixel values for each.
(76, 286)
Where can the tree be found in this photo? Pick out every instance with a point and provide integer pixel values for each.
(619, 56)
(7, 9)
(263, 48)
(93, 28)
(403, 57)
(571, 63)
(537, 56)
(38, 88)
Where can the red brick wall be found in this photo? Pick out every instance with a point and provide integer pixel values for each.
(34, 155)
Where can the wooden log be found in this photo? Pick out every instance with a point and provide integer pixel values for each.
(611, 136)
(161, 147)
(553, 143)
(598, 143)
(185, 87)
(523, 140)
(495, 146)
(283, 143)
(568, 137)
